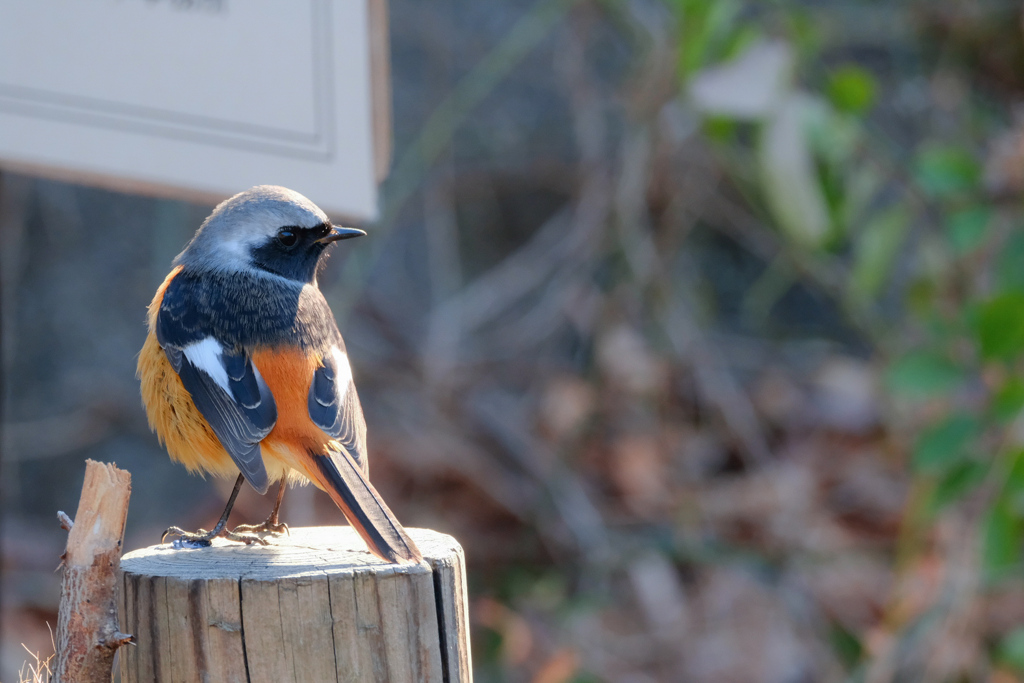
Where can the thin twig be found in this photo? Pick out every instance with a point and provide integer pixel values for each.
(65, 522)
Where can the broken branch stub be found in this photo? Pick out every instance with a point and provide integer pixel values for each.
(87, 628)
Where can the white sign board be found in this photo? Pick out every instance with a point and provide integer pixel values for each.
(200, 97)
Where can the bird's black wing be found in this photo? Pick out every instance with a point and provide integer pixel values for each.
(225, 386)
(334, 405)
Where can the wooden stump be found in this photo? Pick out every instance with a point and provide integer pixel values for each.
(315, 606)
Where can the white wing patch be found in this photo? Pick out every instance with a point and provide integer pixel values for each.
(343, 373)
(205, 355)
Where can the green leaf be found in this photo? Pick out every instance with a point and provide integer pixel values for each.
(804, 30)
(834, 137)
(1001, 541)
(1011, 650)
(1012, 494)
(741, 39)
(921, 295)
(945, 171)
(707, 27)
(852, 89)
(923, 374)
(862, 184)
(966, 229)
(720, 129)
(1008, 401)
(876, 249)
(1009, 273)
(789, 179)
(944, 445)
(846, 645)
(956, 483)
(1000, 326)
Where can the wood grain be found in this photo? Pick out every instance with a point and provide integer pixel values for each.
(315, 606)
(87, 627)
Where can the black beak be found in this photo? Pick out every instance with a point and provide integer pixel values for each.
(339, 233)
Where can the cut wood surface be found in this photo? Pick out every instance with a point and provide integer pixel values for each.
(87, 629)
(314, 606)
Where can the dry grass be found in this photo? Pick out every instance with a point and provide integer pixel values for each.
(37, 671)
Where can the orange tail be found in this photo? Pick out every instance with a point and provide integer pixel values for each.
(363, 507)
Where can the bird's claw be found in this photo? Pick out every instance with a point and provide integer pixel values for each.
(204, 539)
(248, 539)
(268, 527)
(196, 539)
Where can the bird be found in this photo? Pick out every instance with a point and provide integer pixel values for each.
(244, 372)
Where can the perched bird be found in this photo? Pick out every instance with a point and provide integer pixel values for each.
(244, 371)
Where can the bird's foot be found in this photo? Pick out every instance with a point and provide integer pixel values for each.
(247, 539)
(198, 539)
(271, 527)
(203, 538)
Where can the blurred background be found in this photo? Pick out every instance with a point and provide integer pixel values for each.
(699, 323)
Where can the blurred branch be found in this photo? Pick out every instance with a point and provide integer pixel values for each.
(438, 131)
(717, 384)
(562, 487)
(827, 273)
(554, 255)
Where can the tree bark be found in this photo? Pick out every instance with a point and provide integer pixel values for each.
(87, 629)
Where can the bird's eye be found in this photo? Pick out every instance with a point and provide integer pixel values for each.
(287, 237)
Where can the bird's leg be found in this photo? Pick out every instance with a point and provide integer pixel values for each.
(273, 525)
(202, 538)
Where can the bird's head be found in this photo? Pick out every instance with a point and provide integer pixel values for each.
(266, 228)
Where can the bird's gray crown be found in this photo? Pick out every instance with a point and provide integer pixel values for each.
(225, 240)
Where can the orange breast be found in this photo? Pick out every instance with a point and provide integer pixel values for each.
(288, 374)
